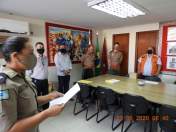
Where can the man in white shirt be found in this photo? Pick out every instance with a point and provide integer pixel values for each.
(39, 74)
(149, 66)
(63, 67)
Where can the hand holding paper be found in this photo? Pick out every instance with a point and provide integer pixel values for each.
(54, 95)
(54, 110)
(63, 100)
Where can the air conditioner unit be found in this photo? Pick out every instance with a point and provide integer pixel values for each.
(8, 26)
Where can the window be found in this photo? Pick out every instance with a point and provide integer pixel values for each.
(169, 48)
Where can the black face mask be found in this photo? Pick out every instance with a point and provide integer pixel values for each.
(63, 51)
(149, 51)
(41, 51)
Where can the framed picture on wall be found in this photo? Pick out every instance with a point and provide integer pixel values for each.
(76, 40)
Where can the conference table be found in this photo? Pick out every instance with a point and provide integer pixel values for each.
(159, 93)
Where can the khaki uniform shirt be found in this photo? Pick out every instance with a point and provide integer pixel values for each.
(115, 60)
(17, 99)
(88, 61)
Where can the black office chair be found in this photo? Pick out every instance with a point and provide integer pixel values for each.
(167, 121)
(135, 108)
(85, 97)
(109, 101)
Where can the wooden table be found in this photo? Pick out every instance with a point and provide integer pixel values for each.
(161, 93)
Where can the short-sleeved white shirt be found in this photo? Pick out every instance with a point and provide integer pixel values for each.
(148, 65)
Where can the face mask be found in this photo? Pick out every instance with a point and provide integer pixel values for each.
(149, 51)
(41, 51)
(29, 62)
(63, 51)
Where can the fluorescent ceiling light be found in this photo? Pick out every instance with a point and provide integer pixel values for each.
(118, 8)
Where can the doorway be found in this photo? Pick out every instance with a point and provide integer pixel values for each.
(123, 40)
(143, 41)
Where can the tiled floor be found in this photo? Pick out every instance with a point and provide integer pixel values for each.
(67, 122)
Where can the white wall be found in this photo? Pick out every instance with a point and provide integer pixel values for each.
(38, 28)
(132, 30)
(108, 33)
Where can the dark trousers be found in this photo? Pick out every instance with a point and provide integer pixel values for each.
(64, 82)
(42, 89)
(87, 73)
(150, 78)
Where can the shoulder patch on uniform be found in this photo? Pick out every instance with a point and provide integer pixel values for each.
(3, 78)
(4, 95)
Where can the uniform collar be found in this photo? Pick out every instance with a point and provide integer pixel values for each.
(8, 71)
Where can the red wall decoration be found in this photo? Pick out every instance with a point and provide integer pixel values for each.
(76, 40)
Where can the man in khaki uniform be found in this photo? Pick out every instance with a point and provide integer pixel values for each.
(115, 59)
(18, 97)
(88, 63)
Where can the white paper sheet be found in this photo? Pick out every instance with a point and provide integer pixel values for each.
(152, 82)
(112, 81)
(63, 100)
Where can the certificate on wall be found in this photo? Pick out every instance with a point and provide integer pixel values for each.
(171, 62)
(171, 48)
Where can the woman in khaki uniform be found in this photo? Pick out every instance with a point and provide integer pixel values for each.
(115, 59)
(18, 97)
